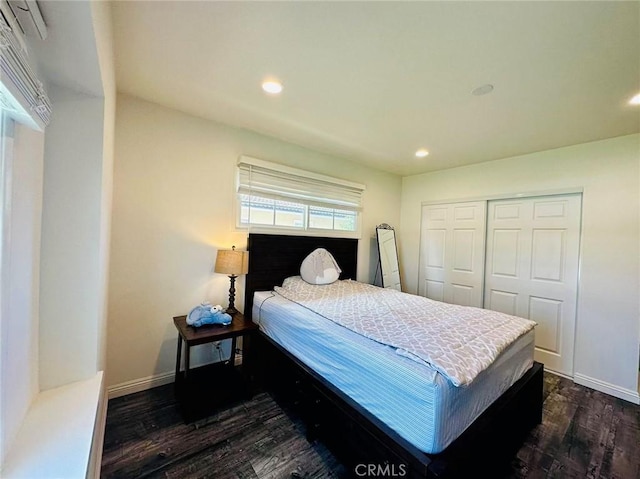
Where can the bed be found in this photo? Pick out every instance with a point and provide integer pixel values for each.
(423, 434)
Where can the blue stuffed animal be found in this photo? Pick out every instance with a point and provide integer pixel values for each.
(207, 314)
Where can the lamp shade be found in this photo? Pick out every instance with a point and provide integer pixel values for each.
(232, 262)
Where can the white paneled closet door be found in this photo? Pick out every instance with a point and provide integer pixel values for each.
(532, 269)
(452, 253)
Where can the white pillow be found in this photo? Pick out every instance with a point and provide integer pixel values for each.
(320, 267)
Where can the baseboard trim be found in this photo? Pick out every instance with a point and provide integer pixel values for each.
(607, 388)
(142, 384)
(556, 373)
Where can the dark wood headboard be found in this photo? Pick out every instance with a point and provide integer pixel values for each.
(272, 258)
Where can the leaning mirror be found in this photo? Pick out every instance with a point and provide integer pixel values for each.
(388, 257)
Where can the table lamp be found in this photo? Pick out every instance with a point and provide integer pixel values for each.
(232, 263)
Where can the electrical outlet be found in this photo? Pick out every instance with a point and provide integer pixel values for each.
(216, 344)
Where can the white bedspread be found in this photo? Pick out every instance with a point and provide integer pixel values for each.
(458, 341)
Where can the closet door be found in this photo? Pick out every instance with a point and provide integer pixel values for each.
(532, 269)
(452, 241)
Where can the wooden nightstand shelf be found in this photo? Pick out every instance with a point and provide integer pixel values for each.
(201, 390)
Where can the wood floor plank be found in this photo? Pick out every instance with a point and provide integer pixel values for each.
(584, 433)
(624, 463)
(558, 413)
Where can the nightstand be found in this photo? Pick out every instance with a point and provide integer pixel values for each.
(201, 390)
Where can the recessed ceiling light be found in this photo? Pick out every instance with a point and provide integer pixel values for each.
(272, 86)
(421, 153)
(635, 100)
(482, 90)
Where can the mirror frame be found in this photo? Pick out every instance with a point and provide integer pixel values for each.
(387, 227)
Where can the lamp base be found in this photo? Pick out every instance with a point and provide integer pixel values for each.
(232, 295)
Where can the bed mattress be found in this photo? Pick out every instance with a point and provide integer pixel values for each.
(412, 398)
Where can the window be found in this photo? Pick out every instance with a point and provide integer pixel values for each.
(23, 105)
(276, 197)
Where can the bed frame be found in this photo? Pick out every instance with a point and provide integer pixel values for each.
(366, 445)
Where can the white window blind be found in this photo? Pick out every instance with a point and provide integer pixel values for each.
(277, 196)
(22, 95)
(278, 182)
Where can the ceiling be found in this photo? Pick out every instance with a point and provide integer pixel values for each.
(67, 58)
(374, 81)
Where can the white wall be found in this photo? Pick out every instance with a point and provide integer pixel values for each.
(608, 323)
(71, 281)
(76, 61)
(102, 23)
(19, 365)
(173, 208)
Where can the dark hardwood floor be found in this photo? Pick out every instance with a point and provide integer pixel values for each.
(584, 434)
